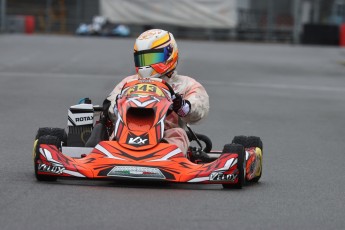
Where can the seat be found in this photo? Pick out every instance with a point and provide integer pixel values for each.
(97, 135)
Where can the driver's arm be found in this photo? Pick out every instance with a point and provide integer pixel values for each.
(196, 94)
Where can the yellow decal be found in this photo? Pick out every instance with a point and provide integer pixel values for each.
(259, 155)
(145, 88)
(161, 41)
(34, 150)
(149, 34)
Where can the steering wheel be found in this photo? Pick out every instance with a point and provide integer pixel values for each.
(171, 90)
(172, 93)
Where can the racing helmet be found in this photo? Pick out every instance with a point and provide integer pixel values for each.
(155, 54)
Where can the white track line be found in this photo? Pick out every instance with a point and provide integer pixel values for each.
(279, 86)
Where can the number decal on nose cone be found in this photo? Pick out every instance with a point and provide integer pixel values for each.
(145, 88)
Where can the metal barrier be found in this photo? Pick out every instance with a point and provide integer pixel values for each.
(260, 25)
(260, 20)
(2, 15)
(50, 16)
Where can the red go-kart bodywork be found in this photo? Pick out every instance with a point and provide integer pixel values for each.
(138, 151)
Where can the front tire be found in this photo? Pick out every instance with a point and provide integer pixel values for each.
(46, 139)
(250, 142)
(239, 149)
(254, 141)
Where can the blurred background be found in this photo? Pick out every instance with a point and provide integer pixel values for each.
(289, 21)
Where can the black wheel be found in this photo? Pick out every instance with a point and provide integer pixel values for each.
(239, 149)
(242, 140)
(46, 139)
(253, 141)
(249, 142)
(56, 132)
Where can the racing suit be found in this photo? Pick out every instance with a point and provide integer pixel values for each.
(190, 90)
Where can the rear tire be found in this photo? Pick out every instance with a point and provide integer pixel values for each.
(253, 141)
(239, 149)
(46, 139)
(56, 132)
(242, 140)
(248, 142)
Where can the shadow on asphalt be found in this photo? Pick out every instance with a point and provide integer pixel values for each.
(145, 185)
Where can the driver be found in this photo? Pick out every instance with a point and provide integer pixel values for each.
(156, 56)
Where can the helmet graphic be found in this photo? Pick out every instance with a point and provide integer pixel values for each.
(155, 54)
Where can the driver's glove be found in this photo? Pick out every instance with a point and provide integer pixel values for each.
(180, 106)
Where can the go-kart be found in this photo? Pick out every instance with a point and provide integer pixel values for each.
(138, 150)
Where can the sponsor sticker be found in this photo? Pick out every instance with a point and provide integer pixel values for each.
(136, 172)
(87, 118)
(50, 169)
(137, 140)
(220, 176)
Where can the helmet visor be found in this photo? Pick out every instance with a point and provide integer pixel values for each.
(149, 57)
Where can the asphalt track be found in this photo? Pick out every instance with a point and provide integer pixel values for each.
(291, 96)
